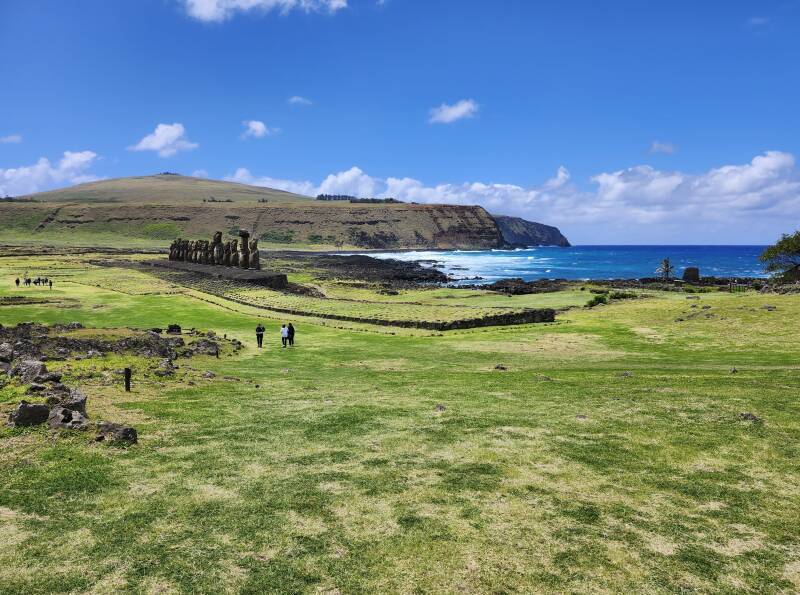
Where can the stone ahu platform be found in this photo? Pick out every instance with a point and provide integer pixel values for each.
(262, 278)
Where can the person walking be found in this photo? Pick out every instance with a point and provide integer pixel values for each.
(290, 334)
(17, 281)
(51, 285)
(259, 334)
(284, 335)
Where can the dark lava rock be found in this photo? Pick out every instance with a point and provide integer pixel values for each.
(74, 400)
(165, 368)
(60, 417)
(49, 377)
(28, 370)
(28, 414)
(626, 374)
(769, 308)
(204, 347)
(111, 432)
(174, 329)
(440, 407)
(157, 330)
(751, 417)
(208, 374)
(500, 367)
(6, 352)
(37, 388)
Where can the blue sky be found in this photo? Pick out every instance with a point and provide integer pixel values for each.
(620, 122)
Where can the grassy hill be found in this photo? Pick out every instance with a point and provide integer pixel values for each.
(164, 189)
(151, 210)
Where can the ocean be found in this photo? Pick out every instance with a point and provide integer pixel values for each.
(587, 262)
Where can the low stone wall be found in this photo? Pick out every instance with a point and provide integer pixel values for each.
(260, 278)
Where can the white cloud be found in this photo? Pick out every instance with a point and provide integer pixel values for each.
(663, 147)
(243, 176)
(257, 129)
(299, 100)
(199, 173)
(166, 140)
(445, 114)
(750, 202)
(10, 139)
(756, 22)
(221, 10)
(43, 175)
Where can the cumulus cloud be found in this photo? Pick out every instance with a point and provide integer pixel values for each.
(298, 100)
(662, 147)
(43, 175)
(199, 173)
(10, 139)
(257, 129)
(445, 114)
(221, 10)
(243, 176)
(749, 202)
(166, 140)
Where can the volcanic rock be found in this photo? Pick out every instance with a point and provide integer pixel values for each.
(60, 417)
(28, 370)
(111, 432)
(28, 414)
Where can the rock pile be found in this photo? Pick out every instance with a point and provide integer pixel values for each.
(64, 407)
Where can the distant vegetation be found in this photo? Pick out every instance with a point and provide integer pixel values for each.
(784, 256)
(335, 197)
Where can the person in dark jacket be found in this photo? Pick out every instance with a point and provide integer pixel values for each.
(260, 334)
(291, 335)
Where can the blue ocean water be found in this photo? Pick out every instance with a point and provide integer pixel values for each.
(589, 262)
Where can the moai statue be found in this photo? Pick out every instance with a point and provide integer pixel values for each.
(190, 251)
(196, 252)
(216, 246)
(255, 260)
(244, 251)
(173, 248)
(205, 250)
(226, 256)
(234, 253)
(184, 250)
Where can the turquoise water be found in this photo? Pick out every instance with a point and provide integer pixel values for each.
(589, 262)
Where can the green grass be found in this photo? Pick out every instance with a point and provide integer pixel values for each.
(328, 468)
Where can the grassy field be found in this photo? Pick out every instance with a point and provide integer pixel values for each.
(609, 455)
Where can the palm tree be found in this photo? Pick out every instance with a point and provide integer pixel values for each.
(665, 269)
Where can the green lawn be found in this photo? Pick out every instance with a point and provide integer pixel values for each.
(329, 469)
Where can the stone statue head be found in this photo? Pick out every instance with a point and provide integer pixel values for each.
(254, 245)
(217, 238)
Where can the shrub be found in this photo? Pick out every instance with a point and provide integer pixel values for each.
(597, 300)
(624, 295)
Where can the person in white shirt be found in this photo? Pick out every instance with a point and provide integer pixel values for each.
(284, 334)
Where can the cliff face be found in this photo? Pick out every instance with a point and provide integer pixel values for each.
(519, 232)
(308, 222)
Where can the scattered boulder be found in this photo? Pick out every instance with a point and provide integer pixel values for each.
(36, 387)
(769, 308)
(581, 417)
(60, 417)
(204, 347)
(28, 370)
(6, 352)
(165, 367)
(439, 407)
(500, 367)
(174, 329)
(111, 432)
(157, 330)
(751, 417)
(73, 326)
(74, 400)
(626, 374)
(49, 377)
(209, 374)
(28, 414)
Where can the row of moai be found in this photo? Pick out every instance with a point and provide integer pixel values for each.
(229, 254)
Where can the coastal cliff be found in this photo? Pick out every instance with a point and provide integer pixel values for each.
(521, 233)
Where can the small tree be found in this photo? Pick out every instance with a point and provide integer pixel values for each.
(665, 269)
(783, 256)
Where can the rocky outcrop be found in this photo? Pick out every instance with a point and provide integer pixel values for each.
(111, 432)
(521, 233)
(28, 414)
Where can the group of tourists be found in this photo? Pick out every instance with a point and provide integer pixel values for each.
(39, 281)
(287, 335)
